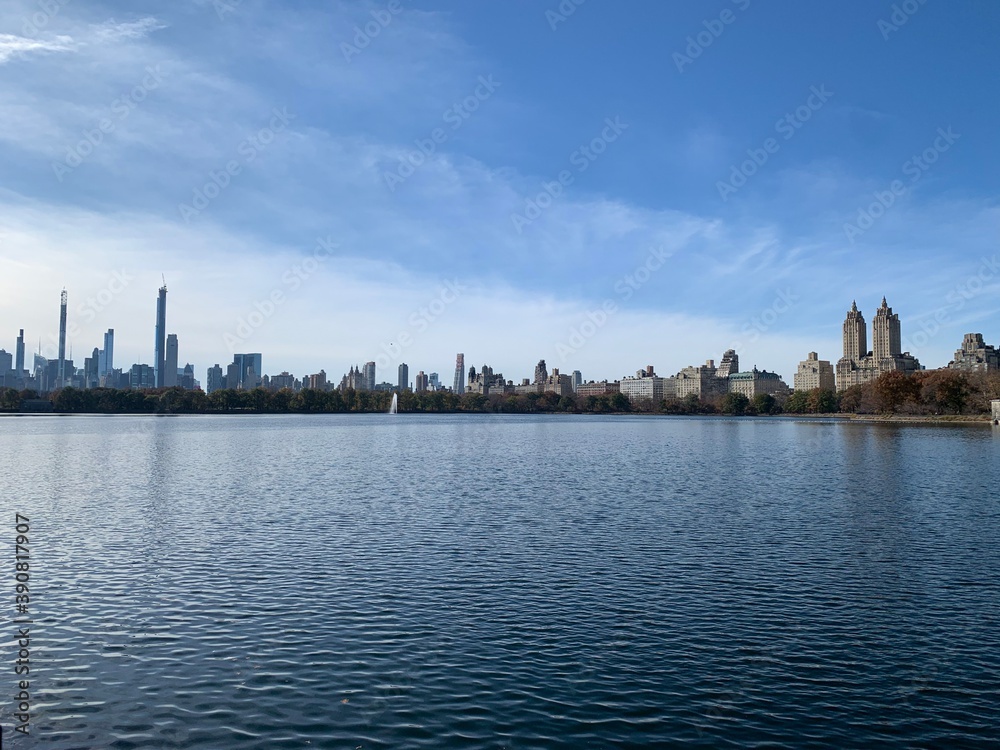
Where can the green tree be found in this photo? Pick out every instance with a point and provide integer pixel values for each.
(765, 403)
(735, 404)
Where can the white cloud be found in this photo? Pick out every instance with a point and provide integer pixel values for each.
(12, 46)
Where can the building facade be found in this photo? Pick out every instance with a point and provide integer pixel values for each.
(858, 365)
(160, 341)
(459, 384)
(598, 389)
(975, 355)
(646, 388)
(142, 376)
(702, 382)
(486, 382)
(730, 364)
(815, 373)
(170, 362)
(756, 382)
(403, 381)
(213, 379)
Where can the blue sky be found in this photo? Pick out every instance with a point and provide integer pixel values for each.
(604, 188)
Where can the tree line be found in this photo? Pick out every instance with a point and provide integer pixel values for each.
(929, 392)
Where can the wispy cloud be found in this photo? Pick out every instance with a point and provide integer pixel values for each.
(112, 31)
(12, 46)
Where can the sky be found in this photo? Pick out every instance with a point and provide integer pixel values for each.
(601, 185)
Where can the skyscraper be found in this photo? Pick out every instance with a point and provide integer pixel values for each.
(855, 341)
(213, 382)
(541, 372)
(404, 377)
(886, 341)
(61, 372)
(858, 365)
(159, 358)
(19, 355)
(369, 376)
(421, 383)
(730, 364)
(170, 362)
(249, 369)
(108, 353)
(460, 374)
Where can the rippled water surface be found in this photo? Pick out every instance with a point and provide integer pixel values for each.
(505, 582)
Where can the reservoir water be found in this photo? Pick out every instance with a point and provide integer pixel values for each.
(503, 582)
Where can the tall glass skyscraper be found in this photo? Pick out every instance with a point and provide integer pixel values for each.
(108, 355)
(61, 381)
(160, 345)
(19, 355)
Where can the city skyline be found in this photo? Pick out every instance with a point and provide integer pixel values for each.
(859, 364)
(704, 222)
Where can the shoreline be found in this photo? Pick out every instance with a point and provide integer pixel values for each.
(952, 419)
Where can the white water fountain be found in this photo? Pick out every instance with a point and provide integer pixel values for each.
(393, 405)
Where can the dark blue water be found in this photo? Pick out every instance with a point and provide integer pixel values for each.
(504, 582)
